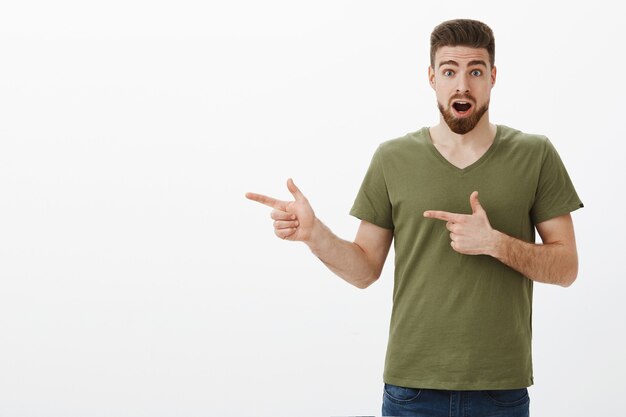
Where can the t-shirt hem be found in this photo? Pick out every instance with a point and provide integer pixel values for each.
(458, 385)
(575, 205)
(368, 218)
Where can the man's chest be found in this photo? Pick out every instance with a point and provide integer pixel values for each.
(506, 192)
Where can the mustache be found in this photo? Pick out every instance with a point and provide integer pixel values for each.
(463, 97)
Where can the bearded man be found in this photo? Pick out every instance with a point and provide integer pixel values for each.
(461, 323)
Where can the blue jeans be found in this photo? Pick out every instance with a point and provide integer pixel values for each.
(414, 402)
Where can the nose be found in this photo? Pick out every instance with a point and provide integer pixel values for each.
(463, 86)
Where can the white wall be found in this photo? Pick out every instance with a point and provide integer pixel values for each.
(136, 279)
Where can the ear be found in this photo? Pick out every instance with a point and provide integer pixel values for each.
(493, 76)
(431, 77)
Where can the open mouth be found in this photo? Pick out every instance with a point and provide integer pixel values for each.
(461, 106)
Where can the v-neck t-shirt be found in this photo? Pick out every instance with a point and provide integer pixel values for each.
(461, 322)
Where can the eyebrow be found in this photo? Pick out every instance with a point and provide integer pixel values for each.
(471, 63)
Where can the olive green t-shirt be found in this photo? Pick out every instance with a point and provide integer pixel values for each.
(461, 322)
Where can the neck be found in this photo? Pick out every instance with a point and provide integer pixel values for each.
(483, 134)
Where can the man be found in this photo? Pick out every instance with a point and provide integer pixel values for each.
(461, 201)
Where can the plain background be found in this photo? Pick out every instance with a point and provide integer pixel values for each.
(136, 279)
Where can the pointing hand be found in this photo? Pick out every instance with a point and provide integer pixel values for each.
(470, 234)
(293, 220)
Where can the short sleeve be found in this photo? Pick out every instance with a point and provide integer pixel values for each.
(555, 194)
(372, 202)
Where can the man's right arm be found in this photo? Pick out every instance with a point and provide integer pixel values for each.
(359, 263)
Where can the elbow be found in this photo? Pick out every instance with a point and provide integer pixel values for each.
(366, 281)
(568, 280)
(569, 268)
(569, 276)
(369, 271)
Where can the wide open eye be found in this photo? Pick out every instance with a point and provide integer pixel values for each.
(448, 73)
(477, 73)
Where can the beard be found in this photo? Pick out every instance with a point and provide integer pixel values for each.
(463, 125)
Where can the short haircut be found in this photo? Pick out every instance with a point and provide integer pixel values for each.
(463, 32)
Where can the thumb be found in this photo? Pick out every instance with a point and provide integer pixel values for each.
(476, 206)
(295, 191)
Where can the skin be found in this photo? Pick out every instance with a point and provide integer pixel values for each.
(460, 72)
(453, 77)
(359, 262)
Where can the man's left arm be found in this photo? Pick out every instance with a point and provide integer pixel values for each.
(555, 261)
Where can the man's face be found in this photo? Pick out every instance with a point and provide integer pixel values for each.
(462, 80)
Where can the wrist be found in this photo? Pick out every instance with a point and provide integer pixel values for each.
(314, 239)
(497, 242)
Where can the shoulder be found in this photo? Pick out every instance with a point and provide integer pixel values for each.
(404, 143)
(519, 141)
(516, 136)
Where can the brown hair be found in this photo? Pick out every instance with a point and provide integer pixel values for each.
(463, 32)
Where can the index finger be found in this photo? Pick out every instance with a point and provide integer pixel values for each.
(443, 215)
(268, 201)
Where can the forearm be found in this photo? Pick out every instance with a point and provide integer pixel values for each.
(550, 263)
(346, 259)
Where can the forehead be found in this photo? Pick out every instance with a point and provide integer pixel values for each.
(461, 54)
